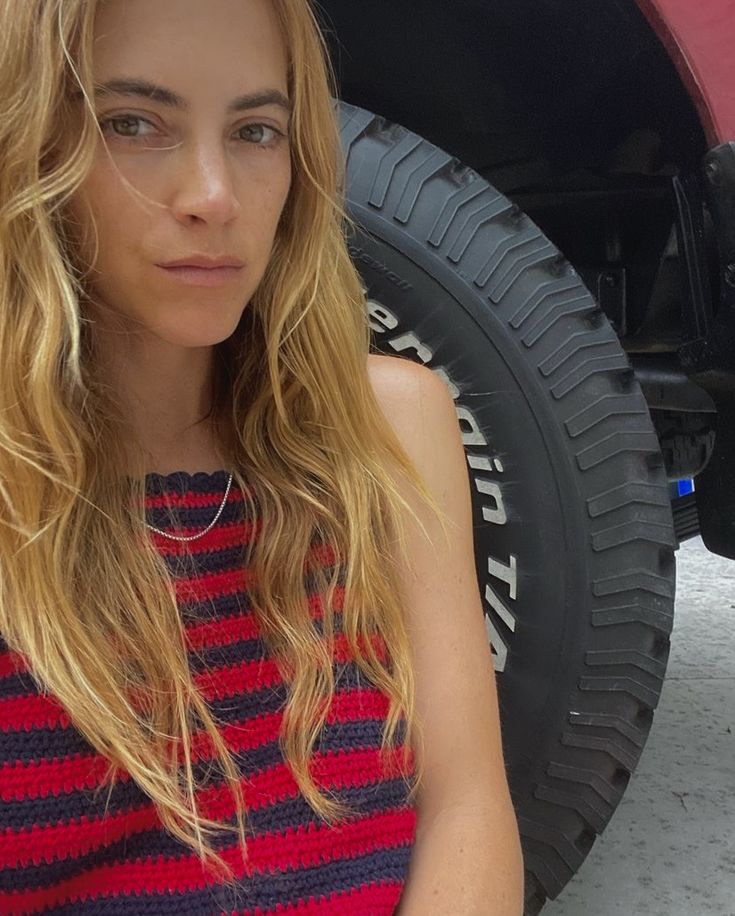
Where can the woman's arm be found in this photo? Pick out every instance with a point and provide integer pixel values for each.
(467, 862)
(467, 857)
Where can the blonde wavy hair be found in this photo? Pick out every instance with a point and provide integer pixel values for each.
(84, 595)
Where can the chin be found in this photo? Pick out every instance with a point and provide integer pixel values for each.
(205, 333)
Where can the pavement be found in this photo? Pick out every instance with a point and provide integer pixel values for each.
(669, 849)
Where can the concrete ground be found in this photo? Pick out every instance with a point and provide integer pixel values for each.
(669, 849)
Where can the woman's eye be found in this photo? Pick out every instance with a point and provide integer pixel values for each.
(125, 125)
(261, 134)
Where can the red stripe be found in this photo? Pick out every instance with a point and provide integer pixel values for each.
(222, 632)
(221, 537)
(190, 498)
(314, 843)
(20, 781)
(227, 630)
(32, 711)
(322, 554)
(242, 677)
(37, 844)
(305, 846)
(12, 663)
(213, 585)
(343, 653)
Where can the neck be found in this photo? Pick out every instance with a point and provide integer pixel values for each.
(165, 392)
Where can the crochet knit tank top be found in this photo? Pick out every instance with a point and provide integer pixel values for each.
(65, 850)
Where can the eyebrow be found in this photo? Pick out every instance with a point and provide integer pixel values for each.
(145, 89)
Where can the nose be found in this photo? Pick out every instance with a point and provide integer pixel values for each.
(205, 187)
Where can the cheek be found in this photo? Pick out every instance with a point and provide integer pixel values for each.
(102, 234)
(80, 223)
(95, 205)
(279, 193)
(287, 181)
(110, 204)
(279, 180)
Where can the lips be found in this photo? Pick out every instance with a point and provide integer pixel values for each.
(203, 271)
(205, 262)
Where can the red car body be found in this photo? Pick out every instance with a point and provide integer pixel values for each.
(700, 38)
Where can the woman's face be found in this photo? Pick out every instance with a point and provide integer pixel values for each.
(183, 124)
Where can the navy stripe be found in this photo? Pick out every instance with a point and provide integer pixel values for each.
(20, 684)
(249, 650)
(215, 609)
(206, 563)
(227, 655)
(183, 482)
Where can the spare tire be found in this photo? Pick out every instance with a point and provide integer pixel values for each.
(574, 535)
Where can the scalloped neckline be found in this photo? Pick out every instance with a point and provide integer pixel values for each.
(189, 476)
(186, 481)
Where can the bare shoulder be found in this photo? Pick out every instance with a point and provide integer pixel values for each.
(394, 380)
(417, 404)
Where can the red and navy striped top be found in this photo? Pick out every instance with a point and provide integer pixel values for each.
(65, 850)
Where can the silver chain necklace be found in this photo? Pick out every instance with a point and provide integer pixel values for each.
(193, 537)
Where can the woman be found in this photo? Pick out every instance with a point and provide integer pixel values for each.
(228, 603)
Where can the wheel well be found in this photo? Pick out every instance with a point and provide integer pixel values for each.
(511, 82)
(581, 119)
